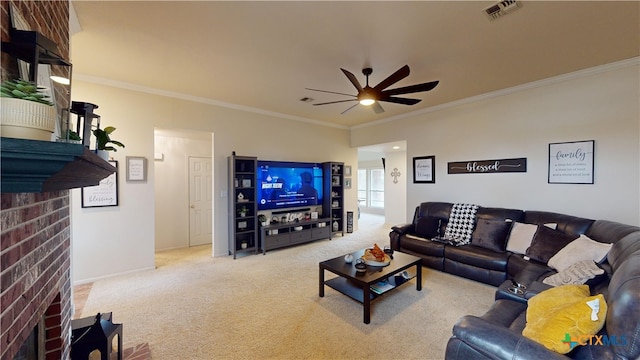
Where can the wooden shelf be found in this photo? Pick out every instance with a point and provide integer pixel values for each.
(30, 166)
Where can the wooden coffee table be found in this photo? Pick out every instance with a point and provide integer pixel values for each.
(358, 285)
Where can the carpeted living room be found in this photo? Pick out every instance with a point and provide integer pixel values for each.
(267, 307)
(494, 146)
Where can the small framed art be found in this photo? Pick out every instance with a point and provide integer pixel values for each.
(136, 168)
(103, 194)
(424, 170)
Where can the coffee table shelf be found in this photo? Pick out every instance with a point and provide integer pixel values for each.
(357, 285)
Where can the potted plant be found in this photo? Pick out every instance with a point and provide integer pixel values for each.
(25, 111)
(262, 218)
(103, 141)
(243, 211)
(72, 137)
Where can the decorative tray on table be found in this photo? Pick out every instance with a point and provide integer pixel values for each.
(371, 260)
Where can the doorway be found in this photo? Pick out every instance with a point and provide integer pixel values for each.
(384, 173)
(183, 185)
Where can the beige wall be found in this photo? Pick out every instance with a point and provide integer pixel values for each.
(116, 240)
(600, 104)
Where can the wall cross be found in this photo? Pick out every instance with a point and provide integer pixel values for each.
(396, 174)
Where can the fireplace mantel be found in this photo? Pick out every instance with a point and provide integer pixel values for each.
(30, 166)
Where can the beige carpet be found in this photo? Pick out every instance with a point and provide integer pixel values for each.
(194, 306)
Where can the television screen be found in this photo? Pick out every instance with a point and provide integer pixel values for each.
(288, 184)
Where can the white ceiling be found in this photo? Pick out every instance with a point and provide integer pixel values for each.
(262, 55)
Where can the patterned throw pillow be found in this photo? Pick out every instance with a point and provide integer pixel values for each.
(578, 273)
(461, 223)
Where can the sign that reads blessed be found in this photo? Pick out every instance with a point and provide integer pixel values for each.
(487, 166)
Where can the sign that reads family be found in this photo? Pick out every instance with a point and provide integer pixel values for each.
(487, 166)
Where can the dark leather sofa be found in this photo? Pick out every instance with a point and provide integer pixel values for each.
(498, 333)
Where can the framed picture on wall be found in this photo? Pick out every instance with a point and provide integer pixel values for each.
(571, 162)
(136, 168)
(103, 194)
(347, 183)
(424, 170)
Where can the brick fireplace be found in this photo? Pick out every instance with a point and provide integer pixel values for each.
(35, 277)
(35, 271)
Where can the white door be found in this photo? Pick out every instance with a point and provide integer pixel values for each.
(200, 191)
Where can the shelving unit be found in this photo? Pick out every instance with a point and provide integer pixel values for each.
(243, 228)
(280, 235)
(333, 203)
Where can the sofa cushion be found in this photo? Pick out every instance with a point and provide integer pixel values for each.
(428, 227)
(582, 272)
(478, 257)
(520, 237)
(422, 246)
(546, 243)
(566, 223)
(579, 249)
(491, 234)
(560, 315)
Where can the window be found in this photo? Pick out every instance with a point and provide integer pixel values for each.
(376, 188)
(371, 187)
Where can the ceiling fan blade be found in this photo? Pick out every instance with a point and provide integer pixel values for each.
(353, 80)
(349, 108)
(334, 102)
(331, 92)
(411, 89)
(403, 101)
(400, 74)
(377, 108)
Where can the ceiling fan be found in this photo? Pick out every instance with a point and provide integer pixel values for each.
(371, 96)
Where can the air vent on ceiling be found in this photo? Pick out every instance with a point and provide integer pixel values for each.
(501, 8)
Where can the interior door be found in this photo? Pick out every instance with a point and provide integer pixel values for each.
(200, 201)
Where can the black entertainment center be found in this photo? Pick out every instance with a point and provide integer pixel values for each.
(295, 190)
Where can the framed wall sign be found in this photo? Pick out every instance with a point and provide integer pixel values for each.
(136, 168)
(424, 170)
(487, 166)
(103, 194)
(347, 170)
(571, 162)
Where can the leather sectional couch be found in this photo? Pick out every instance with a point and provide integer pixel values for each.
(488, 259)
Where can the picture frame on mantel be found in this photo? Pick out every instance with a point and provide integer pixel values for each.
(424, 170)
(103, 194)
(571, 162)
(136, 168)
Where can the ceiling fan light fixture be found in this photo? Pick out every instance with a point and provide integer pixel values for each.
(367, 101)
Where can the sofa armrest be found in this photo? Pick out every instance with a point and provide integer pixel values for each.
(403, 229)
(497, 342)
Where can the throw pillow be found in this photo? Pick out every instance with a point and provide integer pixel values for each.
(428, 227)
(491, 234)
(562, 314)
(546, 243)
(582, 248)
(520, 237)
(578, 273)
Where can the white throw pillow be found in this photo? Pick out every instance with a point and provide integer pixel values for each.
(579, 249)
(520, 237)
(578, 273)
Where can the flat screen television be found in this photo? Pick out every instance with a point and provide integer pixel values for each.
(288, 184)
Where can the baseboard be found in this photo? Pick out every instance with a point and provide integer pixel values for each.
(90, 280)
